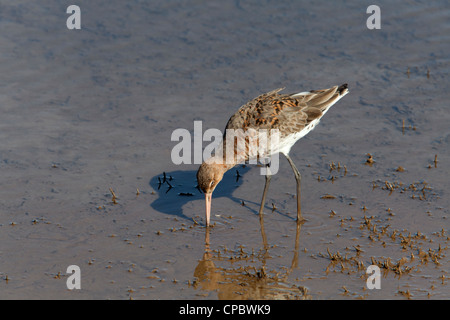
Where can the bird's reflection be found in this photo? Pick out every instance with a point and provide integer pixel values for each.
(247, 282)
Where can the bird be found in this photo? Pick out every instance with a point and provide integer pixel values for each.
(291, 115)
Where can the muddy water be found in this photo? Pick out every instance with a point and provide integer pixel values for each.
(87, 110)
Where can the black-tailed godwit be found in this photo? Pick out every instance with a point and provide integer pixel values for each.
(293, 115)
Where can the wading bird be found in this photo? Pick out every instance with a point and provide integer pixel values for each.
(292, 115)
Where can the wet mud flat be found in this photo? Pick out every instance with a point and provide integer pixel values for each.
(87, 178)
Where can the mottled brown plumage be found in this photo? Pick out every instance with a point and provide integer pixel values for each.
(294, 115)
(289, 113)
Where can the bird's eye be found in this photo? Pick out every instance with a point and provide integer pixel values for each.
(212, 183)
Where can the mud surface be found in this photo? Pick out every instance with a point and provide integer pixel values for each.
(83, 111)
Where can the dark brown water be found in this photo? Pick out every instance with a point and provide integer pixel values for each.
(83, 111)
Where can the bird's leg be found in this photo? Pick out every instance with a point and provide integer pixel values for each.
(266, 187)
(298, 177)
(297, 242)
(263, 233)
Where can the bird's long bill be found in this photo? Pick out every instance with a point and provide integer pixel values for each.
(208, 199)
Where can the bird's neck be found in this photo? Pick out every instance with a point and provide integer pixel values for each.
(227, 158)
(221, 162)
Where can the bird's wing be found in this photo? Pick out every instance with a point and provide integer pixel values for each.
(287, 112)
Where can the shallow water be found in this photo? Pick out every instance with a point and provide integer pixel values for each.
(83, 111)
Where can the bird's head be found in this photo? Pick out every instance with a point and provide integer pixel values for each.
(209, 175)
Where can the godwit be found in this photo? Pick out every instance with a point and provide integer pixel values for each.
(294, 115)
